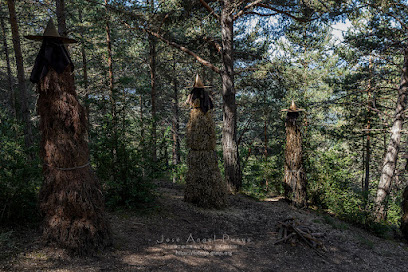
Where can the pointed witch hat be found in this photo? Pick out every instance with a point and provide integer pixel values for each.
(198, 83)
(50, 32)
(293, 108)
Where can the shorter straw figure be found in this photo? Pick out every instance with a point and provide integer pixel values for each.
(205, 186)
(295, 180)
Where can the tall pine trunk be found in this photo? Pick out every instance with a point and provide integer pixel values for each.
(176, 124)
(153, 94)
(366, 184)
(84, 65)
(12, 101)
(112, 98)
(24, 110)
(232, 167)
(391, 157)
(60, 10)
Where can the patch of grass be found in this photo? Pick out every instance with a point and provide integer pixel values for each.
(6, 239)
(365, 241)
(337, 225)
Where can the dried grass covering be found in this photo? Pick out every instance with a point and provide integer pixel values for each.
(295, 181)
(71, 200)
(201, 130)
(205, 186)
(404, 219)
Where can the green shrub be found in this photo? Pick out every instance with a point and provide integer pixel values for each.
(20, 178)
(127, 183)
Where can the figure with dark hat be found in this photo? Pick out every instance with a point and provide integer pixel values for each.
(295, 179)
(205, 186)
(70, 197)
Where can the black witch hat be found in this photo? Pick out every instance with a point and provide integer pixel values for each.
(198, 92)
(53, 53)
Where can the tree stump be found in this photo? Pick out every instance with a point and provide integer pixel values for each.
(70, 198)
(205, 186)
(295, 180)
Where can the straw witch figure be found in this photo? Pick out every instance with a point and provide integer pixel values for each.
(295, 180)
(205, 186)
(70, 198)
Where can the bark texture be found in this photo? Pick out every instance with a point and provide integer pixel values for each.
(70, 198)
(295, 181)
(204, 184)
(153, 92)
(60, 10)
(9, 75)
(112, 98)
(232, 167)
(176, 125)
(391, 157)
(24, 110)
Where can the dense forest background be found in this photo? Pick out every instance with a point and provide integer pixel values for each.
(135, 63)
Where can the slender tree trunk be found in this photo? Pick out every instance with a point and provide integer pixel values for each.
(368, 136)
(391, 157)
(232, 167)
(9, 75)
(84, 65)
(176, 120)
(24, 110)
(112, 96)
(62, 26)
(141, 119)
(176, 125)
(152, 65)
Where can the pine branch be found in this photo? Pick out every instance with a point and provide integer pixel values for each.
(176, 45)
(249, 6)
(212, 12)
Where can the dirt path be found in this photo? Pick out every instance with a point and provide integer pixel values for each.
(172, 239)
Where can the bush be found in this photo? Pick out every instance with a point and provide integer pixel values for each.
(20, 178)
(128, 182)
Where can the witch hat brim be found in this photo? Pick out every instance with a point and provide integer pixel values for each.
(50, 32)
(198, 83)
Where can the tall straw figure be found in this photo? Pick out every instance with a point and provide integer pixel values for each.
(70, 198)
(205, 186)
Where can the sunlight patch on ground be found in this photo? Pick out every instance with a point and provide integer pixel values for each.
(274, 199)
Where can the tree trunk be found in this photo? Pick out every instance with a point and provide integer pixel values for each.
(84, 65)
(176, 122)
(112, 98)
(368, 136)
(70, 197)
(60, 10)
(24, 111)
(152, 65)
(391, 157)
(295, 181)
(232, 167)
(12, 102)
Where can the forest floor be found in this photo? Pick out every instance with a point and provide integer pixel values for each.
(245, 235)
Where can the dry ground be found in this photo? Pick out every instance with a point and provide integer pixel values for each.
(162, 240)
